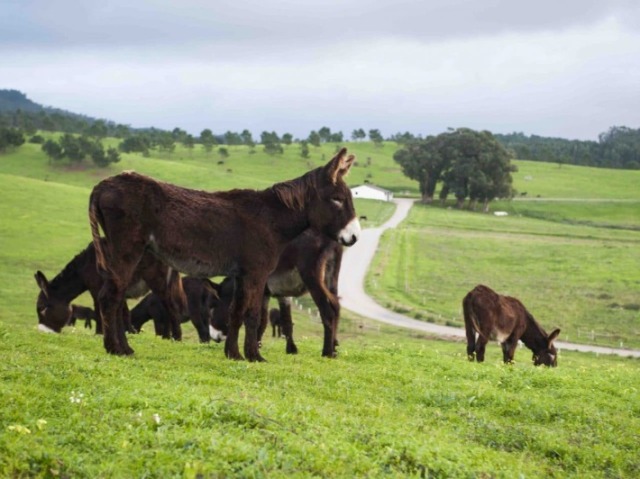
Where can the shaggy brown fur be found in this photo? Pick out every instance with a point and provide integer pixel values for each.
(53, 305)
(238, 233)
(310, 263)
(490, 314)
(202, 297)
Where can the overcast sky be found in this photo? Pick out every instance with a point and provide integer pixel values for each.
(566, 68)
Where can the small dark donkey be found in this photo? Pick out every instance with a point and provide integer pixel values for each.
(54, 307)
(237, 233)
(310, 263)
(202, 298)
(275, 322)
(490, 314)
(83, 312)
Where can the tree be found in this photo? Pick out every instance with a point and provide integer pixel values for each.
(122, 131)
(325, 134)
(358, 134)
(53, 150)
(247, 138)
(98, 129)
(337, 137)
(189, 142)
(10, 138)
(138, 143)
(207, 139)
(376, 137)
(287, 138)
(166, 143)
(271, 143)
(469, 164)
(72, 148)
(304, 149)
(232, 138)
(422, 161)
(314, 138)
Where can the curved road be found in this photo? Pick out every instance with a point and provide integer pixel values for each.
(355, 263)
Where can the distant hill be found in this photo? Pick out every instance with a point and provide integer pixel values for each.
(13, 100)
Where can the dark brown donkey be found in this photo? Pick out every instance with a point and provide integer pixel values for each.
(54, 307)
(309, 263)
(202, 297)
(492, 315)
(237, 233)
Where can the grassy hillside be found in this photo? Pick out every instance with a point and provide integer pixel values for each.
(392, 404)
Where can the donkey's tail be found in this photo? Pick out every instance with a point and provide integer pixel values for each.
(471, 325)
(95, 220)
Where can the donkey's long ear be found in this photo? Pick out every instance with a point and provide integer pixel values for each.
(43, 284)
(552, 337)
(339, 165)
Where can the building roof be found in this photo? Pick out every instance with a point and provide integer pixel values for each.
(373, 187)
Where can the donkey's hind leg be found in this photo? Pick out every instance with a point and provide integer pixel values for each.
(287, 324)
(111, 299)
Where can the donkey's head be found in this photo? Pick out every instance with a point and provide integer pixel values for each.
(331, 209)
(547, 356)
(53, 313)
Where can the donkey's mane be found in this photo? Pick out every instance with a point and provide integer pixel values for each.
(294, 193)
(534, 332)
(62, 279)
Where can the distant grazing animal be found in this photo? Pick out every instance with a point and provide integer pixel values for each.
(82, 312)
(309, 263)
(276, 323)
(53, 305)
(489, 314)
(202, 297)
(237, 233)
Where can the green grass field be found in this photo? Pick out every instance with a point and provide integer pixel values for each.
(393, 404)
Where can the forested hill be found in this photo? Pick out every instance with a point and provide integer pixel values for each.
(12, 101)
(18, 111)
(619, 147)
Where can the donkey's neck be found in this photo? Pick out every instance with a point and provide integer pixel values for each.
(287, 222)
(68, 285)
(534, 336)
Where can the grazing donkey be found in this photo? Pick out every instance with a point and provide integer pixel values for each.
(309, 263)
(491, 314)
(82, 312)
(275, 322)
(53, 305)
(202, 297)
(237, 233)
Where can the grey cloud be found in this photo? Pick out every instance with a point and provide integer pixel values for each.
(289, 25)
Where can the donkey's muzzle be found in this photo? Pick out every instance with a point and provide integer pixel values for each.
(350, 233)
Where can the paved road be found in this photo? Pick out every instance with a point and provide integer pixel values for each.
(355, 263)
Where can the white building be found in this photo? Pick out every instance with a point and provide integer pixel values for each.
(372, 192)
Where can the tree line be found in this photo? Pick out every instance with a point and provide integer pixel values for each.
(618, 147)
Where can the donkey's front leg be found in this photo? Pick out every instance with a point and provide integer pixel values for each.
(249, 296)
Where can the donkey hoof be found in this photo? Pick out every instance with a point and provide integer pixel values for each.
(292, 349)
(234, 356)
(256, 359)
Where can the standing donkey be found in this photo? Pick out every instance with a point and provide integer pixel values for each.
(489, 314)
(237, 233)
(53, 305)
(310, 263)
